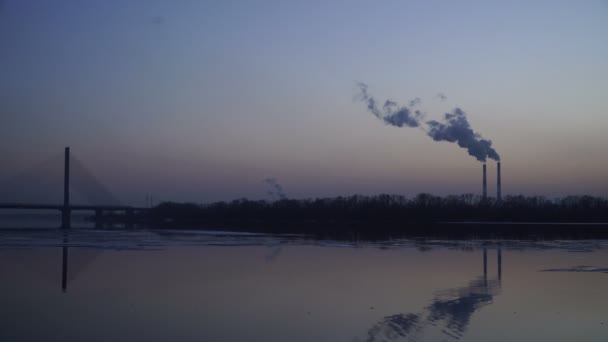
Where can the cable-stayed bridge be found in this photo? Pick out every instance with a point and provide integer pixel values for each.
(76, 175)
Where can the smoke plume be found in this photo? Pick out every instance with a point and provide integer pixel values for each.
(275, 188)
(391, 113)
(455, 128)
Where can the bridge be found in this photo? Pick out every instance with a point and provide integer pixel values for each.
(72, 207)
(67, 208)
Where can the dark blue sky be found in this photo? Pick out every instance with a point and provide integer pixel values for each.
(195, 100)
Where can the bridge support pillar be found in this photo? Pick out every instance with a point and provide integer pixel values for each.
(98, 218)
(66, 218)
(129, 215)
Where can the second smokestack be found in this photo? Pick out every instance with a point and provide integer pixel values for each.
(485, 184)
(498, 186)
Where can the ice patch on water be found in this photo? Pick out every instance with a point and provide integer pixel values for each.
(158, 239)
(579, 269)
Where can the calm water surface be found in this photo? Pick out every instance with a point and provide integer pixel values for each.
(190, 286)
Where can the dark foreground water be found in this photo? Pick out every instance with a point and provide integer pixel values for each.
(192, 286)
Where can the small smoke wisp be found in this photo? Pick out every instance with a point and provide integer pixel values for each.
(415, 102)
(455, 127)
(276, 190)
(390, 112)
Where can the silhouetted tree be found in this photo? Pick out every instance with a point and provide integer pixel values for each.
(385, 209)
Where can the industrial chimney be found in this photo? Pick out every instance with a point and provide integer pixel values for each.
(485, 184)
(498, 186)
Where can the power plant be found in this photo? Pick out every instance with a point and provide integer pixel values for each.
(454, 128)
(498, 183)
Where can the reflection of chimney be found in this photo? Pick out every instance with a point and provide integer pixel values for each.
(499, 264)
(498, 186)
(485, 262)
(485, 184)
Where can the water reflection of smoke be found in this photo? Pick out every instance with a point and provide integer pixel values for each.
(395, 327)
(451, 310)
(456, 309)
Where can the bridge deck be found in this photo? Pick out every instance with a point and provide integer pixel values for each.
(32, 206)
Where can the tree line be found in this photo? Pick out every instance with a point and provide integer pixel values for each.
(395, 209)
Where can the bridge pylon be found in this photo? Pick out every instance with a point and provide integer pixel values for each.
(66, 212)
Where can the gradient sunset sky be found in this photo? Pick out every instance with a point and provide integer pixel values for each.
(202, 100)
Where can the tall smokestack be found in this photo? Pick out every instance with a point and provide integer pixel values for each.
(485, 183)
(498, 186)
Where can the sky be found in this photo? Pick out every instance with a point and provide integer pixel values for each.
(203, 100)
